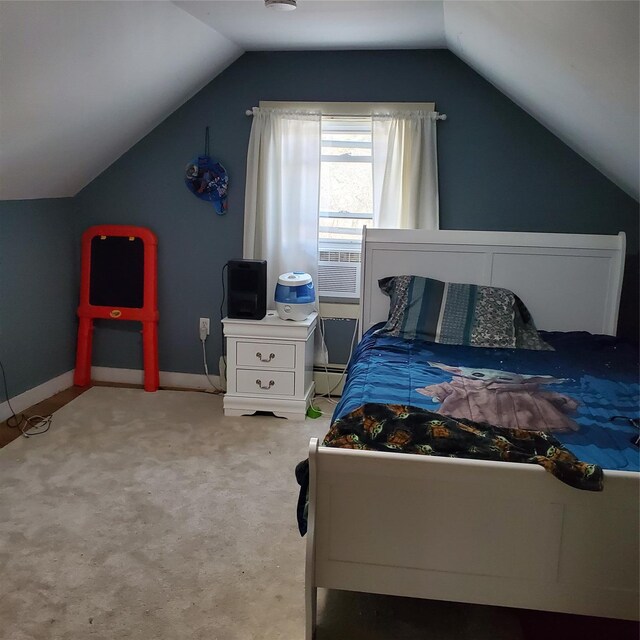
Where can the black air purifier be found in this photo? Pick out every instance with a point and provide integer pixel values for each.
(247, 289)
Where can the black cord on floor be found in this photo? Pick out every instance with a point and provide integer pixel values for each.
(14, 417)
(24, 423)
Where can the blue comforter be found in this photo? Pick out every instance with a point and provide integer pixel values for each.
(574, 392)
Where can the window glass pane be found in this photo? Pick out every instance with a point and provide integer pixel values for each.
(340, 229)
(346, 186)
(346, 181)
(346, 203)
(346, 152)
(346, 144)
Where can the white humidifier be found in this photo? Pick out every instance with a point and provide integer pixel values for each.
(295, 296)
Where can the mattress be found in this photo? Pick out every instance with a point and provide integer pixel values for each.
(585, 392)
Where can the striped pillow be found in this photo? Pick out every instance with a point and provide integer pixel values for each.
(452, 313)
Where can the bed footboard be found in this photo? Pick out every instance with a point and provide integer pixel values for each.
(482, 532)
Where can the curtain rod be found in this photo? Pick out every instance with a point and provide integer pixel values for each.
(438, 116)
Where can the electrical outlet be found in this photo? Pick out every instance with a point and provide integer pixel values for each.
(204, 328)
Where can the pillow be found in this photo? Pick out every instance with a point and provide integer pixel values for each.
(527, 336)
(453, 313)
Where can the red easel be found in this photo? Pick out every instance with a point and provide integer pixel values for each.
(147, 314)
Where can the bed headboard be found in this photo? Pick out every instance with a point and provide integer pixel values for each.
(569, 282)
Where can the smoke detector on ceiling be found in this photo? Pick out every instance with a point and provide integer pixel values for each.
(280, 5)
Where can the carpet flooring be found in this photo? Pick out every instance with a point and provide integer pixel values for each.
(151, 516)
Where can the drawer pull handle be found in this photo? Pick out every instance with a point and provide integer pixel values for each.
(269, 359)
(259, 383)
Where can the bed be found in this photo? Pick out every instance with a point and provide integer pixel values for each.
(474, 530)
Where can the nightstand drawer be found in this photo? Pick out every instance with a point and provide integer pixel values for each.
(265, 354)
(261, 382)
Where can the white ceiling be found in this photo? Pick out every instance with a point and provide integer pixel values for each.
(325, 24)
(82, 82)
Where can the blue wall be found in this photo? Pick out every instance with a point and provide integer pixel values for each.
(38, 291)
(499, 170)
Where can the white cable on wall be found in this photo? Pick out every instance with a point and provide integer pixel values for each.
(330, 389)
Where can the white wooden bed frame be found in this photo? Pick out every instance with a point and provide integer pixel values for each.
(483, 532)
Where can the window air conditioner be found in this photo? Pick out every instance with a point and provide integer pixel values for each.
(339, 271)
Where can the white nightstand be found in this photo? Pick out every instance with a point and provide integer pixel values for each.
(269, 365)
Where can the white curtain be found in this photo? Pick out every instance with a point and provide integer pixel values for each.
(282, 193)
(405, 171)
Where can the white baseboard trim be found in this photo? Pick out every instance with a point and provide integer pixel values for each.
(136, 376)
(43, 391)
(167, 378)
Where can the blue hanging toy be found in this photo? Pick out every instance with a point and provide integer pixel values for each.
(207, 179)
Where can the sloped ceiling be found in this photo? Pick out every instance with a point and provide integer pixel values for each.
(571, 65)
(82, 82)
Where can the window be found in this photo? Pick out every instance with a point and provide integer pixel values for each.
(346, 202)
(377, 166)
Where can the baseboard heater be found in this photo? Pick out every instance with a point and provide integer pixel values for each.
(328, 380)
